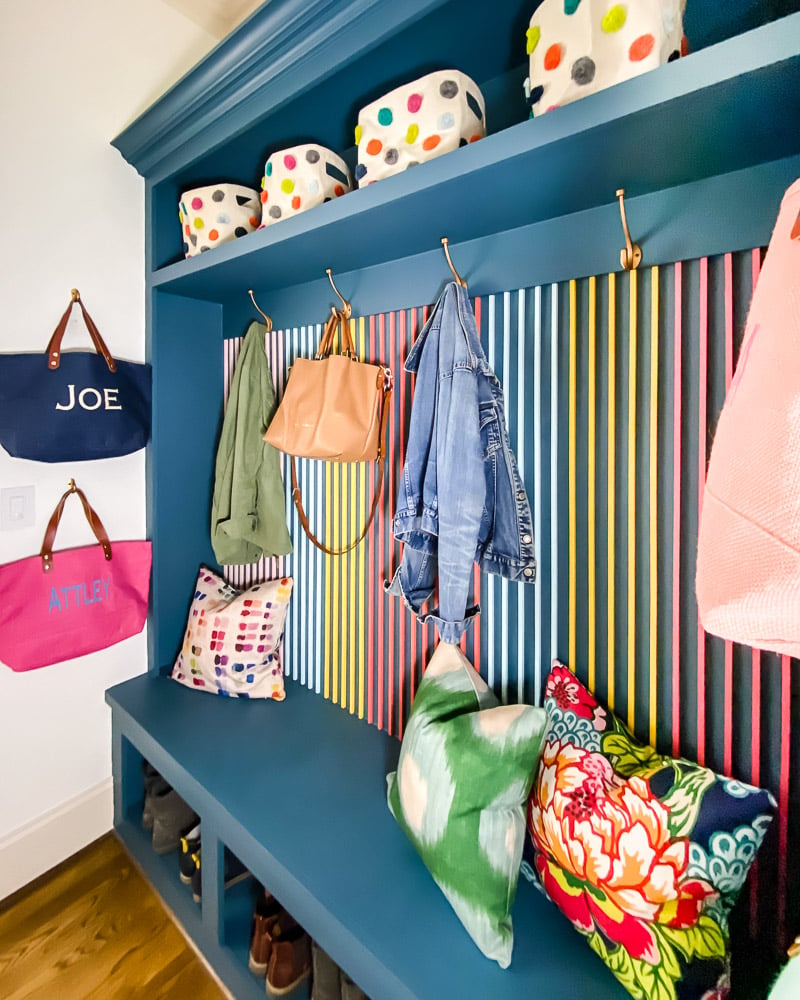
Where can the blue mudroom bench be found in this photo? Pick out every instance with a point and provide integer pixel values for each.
(704, 148)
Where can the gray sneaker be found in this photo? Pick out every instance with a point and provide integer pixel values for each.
(156, 786)
(172, 818)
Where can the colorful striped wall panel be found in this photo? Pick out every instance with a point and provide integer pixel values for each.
(613, 385)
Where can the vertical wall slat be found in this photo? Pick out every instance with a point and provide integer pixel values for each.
(705, 699)
(653, 511)
(612, 486)
(633, 279)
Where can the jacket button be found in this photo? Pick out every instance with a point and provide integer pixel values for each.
(520, 494)
(526, 539)
(528, 571)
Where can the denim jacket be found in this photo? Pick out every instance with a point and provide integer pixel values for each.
(461, 499)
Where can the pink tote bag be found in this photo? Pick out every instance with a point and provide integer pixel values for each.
(748, 555)
(59, 605)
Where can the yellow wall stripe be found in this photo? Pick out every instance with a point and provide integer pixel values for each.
(653, 500)
(335, 573)
(363, 471)
(612, 478)
(591, 555)
(632, 350)
(573, 394)
(350, 568)
(328, 587)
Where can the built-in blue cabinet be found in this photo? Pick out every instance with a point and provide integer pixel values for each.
(704, 148)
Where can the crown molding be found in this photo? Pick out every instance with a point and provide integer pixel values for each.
(281, 50)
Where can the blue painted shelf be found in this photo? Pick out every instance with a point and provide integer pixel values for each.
(299, 789)
(728, 108)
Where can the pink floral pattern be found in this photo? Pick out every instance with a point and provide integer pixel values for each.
(612, 825)
(569, 693)
(605, 854)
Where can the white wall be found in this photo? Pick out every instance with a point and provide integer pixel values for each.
(72, 75)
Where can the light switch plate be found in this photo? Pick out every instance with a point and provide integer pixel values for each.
(16, 508)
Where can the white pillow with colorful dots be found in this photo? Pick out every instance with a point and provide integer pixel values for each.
(577, 47)
(231, 646)
(217, 214)
(416, 122)
(299, 178)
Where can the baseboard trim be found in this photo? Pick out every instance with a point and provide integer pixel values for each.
(35, 848)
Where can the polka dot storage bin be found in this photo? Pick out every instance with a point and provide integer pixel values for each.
(299, 178)
(217, 214)
(416, 122)
(577, 47)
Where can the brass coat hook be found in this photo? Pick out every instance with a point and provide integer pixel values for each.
(75, 295)
(72, 487)
(267, 320)
(456, 275)
(630, 256)
(348, 309)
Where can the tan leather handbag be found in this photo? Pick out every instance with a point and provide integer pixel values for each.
(334, 408)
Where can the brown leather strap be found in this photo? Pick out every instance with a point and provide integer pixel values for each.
(95, 524)
(298, 502)
(298, 498)
(345, 341)
(54, 347)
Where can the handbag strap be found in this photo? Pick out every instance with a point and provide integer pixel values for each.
(54, 347)
(297, 496)
(95, 524)
(346, 346)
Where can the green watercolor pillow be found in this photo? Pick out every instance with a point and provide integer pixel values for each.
(459, 792)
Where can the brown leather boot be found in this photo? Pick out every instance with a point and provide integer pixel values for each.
(289, 963)
(267, 928)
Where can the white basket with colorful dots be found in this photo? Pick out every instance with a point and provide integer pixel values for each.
(433, 115)
(299, 178)
(577, 47)
(217, 214)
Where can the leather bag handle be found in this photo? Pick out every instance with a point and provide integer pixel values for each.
(346, 346)
(54, 347)
(297, 496)
(95, 524)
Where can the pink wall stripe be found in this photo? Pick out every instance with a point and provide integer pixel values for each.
(755, 716)
(384, 565)
(399, 359)
(783, 795)
(427, 630)
(728, 680)
(391, 459)
(676, 517)
(701, 479)
(476, 655)
(374, 568)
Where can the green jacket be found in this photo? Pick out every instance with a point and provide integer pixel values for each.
(248, 512)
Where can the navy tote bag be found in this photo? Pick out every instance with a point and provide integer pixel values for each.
(73, 406)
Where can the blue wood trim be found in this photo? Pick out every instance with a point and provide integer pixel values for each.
(228, 962)
(675, 127)
(278, 53)
(187, 407)
(310, 820)
(288, 46)
(731, 212)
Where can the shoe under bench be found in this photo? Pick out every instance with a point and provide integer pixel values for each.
(296, 790)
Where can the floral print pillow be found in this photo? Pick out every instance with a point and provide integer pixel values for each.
(645, 854)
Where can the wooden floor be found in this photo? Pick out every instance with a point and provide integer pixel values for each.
(93, 929)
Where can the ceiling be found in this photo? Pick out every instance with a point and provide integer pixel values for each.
(217, 17)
